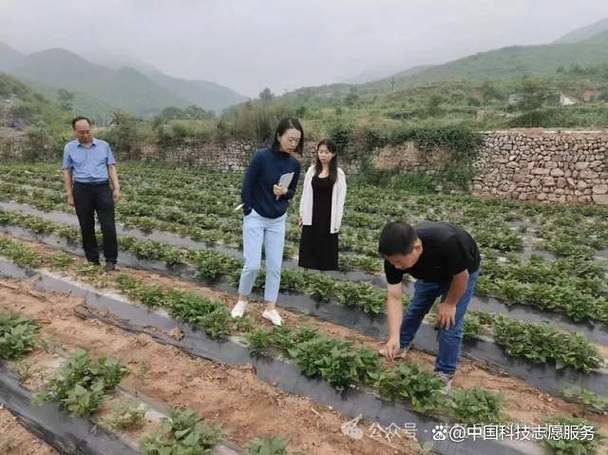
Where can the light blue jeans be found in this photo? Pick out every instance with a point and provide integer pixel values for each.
(269, 233)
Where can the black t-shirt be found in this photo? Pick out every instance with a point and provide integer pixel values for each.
(446, 251)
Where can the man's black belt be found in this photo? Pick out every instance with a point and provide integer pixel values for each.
(105, 182)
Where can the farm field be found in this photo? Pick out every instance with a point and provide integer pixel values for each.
(156, 347)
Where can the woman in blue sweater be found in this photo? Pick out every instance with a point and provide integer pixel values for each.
(267, 190)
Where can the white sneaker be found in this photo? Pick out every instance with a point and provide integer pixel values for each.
(273, 316)
(239, 309)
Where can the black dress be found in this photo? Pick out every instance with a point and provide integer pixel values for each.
(318, 247)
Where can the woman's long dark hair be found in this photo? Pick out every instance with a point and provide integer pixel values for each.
(284, 125)
(333, 164)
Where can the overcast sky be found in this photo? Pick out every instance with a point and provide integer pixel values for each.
(282, 44)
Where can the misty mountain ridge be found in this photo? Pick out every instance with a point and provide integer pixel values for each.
(122, 87)
(587, 46)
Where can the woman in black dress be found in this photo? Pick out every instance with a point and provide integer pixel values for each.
(321, 209)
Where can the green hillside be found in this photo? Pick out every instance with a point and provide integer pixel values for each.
(509, 63)
(20, 104)
(125, 89)
(99, 90)
(584, 33)
(82, 103)
(481, 89)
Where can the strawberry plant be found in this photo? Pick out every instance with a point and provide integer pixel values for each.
(213, 317)
(320, 287)
(71, 234)
(81, 384)
(292, 280)
(18, 336)
(149, 249)
(182, 432)
(543, 343)
(259, 342)
(270, 446)
(472, 327)
(151, 296)
(211, 265)
(476, 406)
(364, 295)
(573, 446)
(591, 401)
(217, 323)
(61, 260)
(365, 263)
(338, 362)
(497, 239)
(408, 382)
(286, 338)
(81, 401)
(19, 254)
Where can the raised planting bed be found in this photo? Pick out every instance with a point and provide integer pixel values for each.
(593, 331)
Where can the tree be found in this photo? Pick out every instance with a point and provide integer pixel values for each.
(341, 134)
(489, 91)
(194, 112)
(432, 105)
(266, 95)
(122, 134)
(534, 93)
(352, 98)
(66, 99)
(171, 113)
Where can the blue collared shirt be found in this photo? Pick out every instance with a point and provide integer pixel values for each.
(88, 164)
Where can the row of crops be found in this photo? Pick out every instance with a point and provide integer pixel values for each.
(548, 260)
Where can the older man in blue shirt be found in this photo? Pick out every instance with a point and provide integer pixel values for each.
(91, 185)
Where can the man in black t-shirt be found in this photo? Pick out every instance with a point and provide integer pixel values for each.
(445, 262)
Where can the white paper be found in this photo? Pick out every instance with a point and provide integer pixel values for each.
(285, 180)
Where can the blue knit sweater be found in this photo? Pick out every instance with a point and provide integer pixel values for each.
(264, 171)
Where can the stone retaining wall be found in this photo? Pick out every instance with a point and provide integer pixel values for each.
(525, 164)
(542, 165)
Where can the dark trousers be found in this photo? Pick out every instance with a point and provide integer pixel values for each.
(88, 199)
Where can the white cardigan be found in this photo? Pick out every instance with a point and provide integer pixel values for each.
(338, 196)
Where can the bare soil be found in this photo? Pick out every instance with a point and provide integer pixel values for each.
(16, 440)
(245, 406)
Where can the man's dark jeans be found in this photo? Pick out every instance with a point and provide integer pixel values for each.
(91, 198)
(425, 294)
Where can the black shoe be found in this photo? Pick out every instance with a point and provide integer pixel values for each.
(110, 267)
